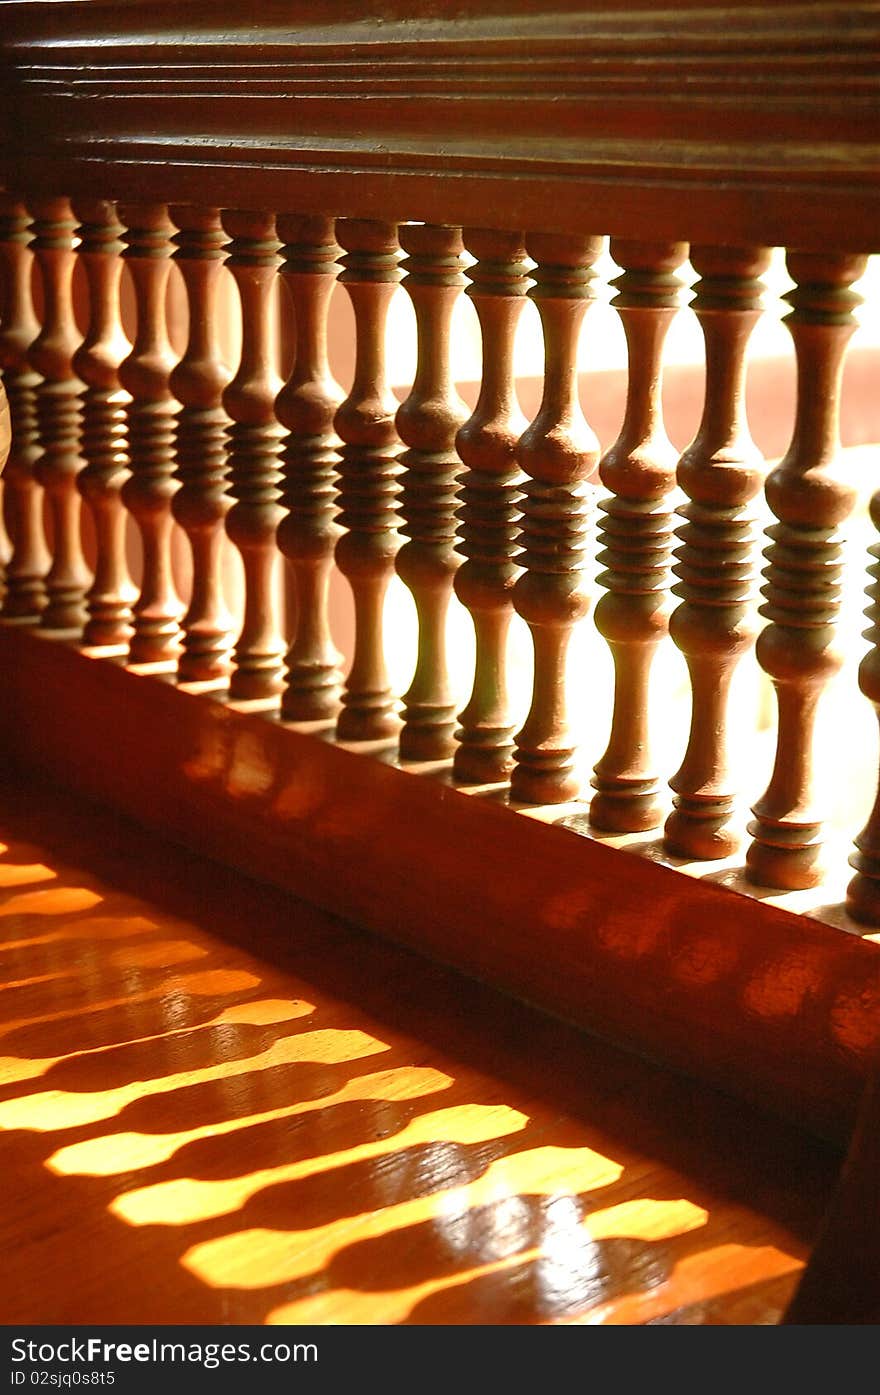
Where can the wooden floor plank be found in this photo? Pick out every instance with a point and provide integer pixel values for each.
(333, 1130)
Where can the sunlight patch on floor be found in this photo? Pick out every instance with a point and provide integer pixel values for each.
(266, 1012)
(260, 1257)
(60, 1109)
(12, 874)
(62, 900)
(186, 1200)
(127, 1152)
(697, 1278)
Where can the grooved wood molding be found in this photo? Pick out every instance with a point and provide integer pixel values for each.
(557, 116)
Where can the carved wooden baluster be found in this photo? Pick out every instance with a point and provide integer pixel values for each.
(798, 649)
(558, 452)
(58, 412)
(25, 597)
(368, 474)
(715, 624)
(863, 892)
(5, 540)
(201, 503)
(103, 438)
(148, 491)
(636, 534)
(254, 445)
(427, 423)
(489, 504)
(306, 406)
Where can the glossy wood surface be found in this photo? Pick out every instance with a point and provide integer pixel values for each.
(252, 457)
(104, 410)
(25, 595)
(774, 1006)
(427, 422)
(863, 892)
(368, 471)
(715, 624)
(151, 486)
(58, 412)
(306, 406)
(716, 120)
(558, 453)
(800, 648)
(329, 1130)
(488, 512)
(635, 537)
(5, 427)
(201, 503)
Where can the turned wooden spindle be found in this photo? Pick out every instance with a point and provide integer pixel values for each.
(488, 511)
(5, 540)
(149, 489)
(58, 412)
(306, 406)
(798, 647)
(636, 535)
(5, 427)
(863, 892)
(721, 472)
(558, 453)
(254, 445)
(25, 597)
(201, 503)
(427, 423)
(103, 438)
(368, 473)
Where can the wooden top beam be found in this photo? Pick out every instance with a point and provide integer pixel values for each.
(718, 122)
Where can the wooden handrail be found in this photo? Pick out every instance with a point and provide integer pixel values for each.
(713, 119)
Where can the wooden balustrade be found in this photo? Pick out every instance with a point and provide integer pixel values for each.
(720, 472)
(427, 423)
(58, 412)
(104, 405)
(489, 497)
(636, 532)
(420, 153)
(25, 595)
(368, 470)
(5, 427)
(798, 647)
(306, 406)
(201, 502)
(255, 438)
(863, 892)
(150, 487)
(5, 540)
(316, 477)
(558, 453)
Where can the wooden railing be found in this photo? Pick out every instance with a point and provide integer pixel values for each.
(500, 155)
